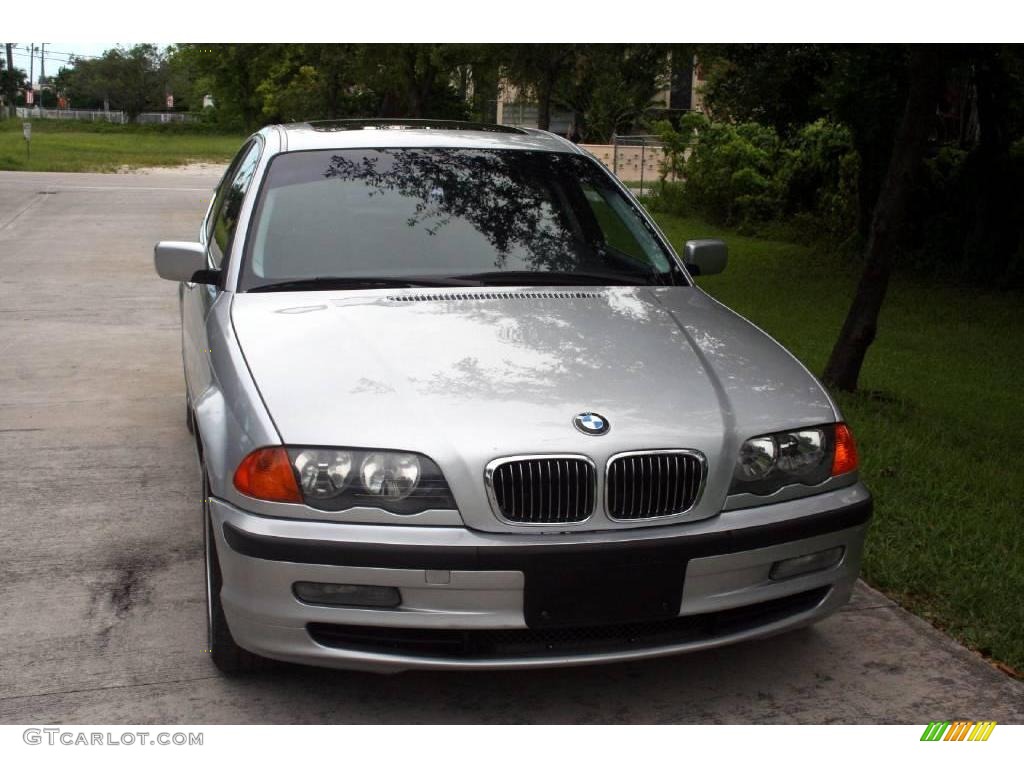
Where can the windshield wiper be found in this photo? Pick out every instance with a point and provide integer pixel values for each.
(357, 283)
(530, 277)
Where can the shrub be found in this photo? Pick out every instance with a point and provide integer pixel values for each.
(745, 175)
(965, 220)
(818, 176)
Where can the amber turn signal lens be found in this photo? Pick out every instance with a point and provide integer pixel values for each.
(267, 474)
(845, 457)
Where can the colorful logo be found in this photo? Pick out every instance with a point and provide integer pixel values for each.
(591, 423)
(958, 730)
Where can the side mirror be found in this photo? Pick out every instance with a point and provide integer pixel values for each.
(183, 262)
(705, 257)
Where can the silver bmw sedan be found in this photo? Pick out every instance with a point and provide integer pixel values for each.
(458, 404)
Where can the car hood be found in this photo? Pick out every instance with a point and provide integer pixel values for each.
(466, 376)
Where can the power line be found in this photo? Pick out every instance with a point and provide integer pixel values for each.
(62, 53)
(32, 53)
(56, 57)
(36, 57)
(69, 54)
(77, 55)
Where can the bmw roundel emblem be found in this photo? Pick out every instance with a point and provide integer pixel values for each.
(591, 423)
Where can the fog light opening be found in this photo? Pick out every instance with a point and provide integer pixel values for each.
(348, 595)
(798, 566)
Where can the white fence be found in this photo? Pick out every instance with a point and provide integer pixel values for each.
(99, 116)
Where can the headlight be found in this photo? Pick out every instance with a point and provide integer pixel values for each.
(801, 452)
(807, 456)
(398, 481)
(390, 475)
(757, 459)
(334, 479)
(323, 474)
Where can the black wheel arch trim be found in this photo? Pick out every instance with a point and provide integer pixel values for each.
(519, 557)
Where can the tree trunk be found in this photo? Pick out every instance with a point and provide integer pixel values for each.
(248, 96)
(333, 91)
(544, 89)
(887, 222)
(869, 178)
(578, 126)
(332, 96)
(414, 105)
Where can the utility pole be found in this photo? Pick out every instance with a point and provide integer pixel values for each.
(32, 69)
(10, 79)
(42, 72)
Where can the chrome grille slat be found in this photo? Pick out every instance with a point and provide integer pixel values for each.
(530, 489)
(653, 484)
(542, 490)
(627, 480)
(677, 487)
(647, 476)
(661, 480)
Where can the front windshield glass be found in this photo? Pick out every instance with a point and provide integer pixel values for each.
(476, 214)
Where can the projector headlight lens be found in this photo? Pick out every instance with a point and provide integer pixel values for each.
(390, 475)
(801, 451)
(757, 459)
(323, 473)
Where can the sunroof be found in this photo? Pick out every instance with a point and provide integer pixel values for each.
(398, 125)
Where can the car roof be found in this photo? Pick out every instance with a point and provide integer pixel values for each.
(370, 133)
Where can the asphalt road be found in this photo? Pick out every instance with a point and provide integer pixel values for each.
(101, 591)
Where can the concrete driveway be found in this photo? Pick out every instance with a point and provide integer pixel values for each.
(101, 585)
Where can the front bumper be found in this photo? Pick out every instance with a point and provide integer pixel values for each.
(463, 590)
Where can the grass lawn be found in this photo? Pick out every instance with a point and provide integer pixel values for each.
(65, 146)
(939, 414)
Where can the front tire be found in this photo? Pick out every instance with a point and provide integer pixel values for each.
(229, 657)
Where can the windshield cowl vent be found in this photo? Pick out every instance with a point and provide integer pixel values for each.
(493, 296)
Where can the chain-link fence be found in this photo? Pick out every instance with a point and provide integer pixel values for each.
(636, 159)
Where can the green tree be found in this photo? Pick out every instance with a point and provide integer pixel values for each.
(925, 76)
(254, 84)
(777, 85)
(537, 70)
(12, 79)
(892, 99)
(790, 86)
(129, 79)
(232, 74)
(414, 80)
(611, 87)
(312, 81)
(476, 74)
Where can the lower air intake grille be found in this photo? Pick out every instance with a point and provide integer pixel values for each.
(542, 490)
(538, 643)
(653, 484)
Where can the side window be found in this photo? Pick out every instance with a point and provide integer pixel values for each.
(222, 187)
(621, 228)
(229, 203)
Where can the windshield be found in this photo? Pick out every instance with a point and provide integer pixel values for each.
(478, 215)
